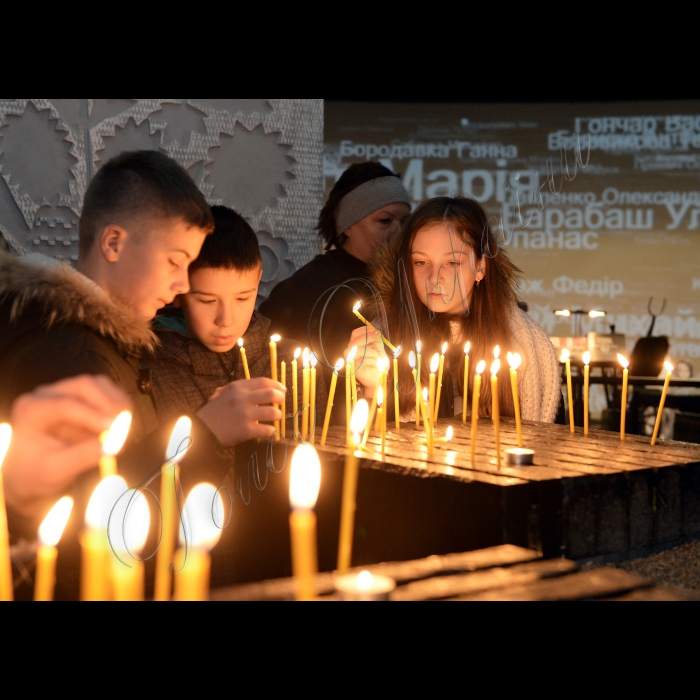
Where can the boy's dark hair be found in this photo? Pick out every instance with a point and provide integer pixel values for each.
(233, 245)
(354, 176)
(135, 184)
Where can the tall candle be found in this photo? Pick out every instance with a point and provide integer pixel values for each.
(200, 530)
(514, 363)
(283, 382)
(295, 393)
(372, 410)
(566, 358)
(355, 310)
(274, 339)
(177, 448)
(331, 395)
(95, 570)
(304, 484)
(358, 421)
(305, 395)
(245, 359)
(412, 364)
(113, 441)
(397, 411)
(353, 380)
(427, 422)
(382, 424)
(434, 362)
(466, 382)
(481, 365)
(127, 530)
(494, 408)
(418, 377)
(623, 403)
(312, 399)
(50, 532)
(496, 355)
(6, 587)
(669, 369)
(439, 383)
(586, 362)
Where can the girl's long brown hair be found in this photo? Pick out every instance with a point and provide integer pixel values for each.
(484, 324)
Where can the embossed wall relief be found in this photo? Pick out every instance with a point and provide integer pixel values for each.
(261, 157)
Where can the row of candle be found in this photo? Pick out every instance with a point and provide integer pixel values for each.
(624, 362)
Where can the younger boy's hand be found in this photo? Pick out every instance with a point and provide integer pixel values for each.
(234, 415)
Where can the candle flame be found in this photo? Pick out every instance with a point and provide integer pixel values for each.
(449, 433)
(380, 396)
(305, 357)
(481, 366)
(623, 360)
(339, 365)
(668, 366)
(596, 314)
(359, 417)
(352, 353)
(496, 352)
(514, 360)
(313, 360)
(203, 517)
(412, 359)
(586, 357)
(496, 365)
(418, 346)
(305, 478)
(565, 354)
(5, 437)
(382, 364)
(51, 529)
(179, 440)
(103, 500)
(562, 312)
(425, 395)
(116, 435)
(240, 342)
(467, 346)
(357, 305)
(275, 338)
(397, 352)
(434, 363)
(364, 580)
(297, 352)
(444, 348)
(129, 523)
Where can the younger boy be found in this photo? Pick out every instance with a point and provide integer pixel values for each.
(199, 351)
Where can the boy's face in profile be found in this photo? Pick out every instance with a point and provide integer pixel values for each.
(220, 304)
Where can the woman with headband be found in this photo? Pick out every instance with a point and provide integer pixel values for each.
(364, 210)
(444, 278)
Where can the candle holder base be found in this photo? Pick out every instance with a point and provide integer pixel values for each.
(519, 456)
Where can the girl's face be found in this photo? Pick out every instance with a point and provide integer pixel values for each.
(444, 268)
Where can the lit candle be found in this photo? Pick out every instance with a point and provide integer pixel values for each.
(355, 310)
(274, 339)
(418, 377)
(382, 424)
(358, 421)
(586, 362)
(669, 369)
(364, 586)
(177, 447)
(245, 359)
(412, 364)
(6, 587)
(623, 403)
(95, 578)
(434, 362)
(353, 381)
(331, 394)
(566, 358)
(397, 411)
(475, 401)
(466, 381)
(514, 363)
(305, 395)
(304, 484)
(50, 532)
(425, 410)
(439, 383)
(496, 355)
(283, 382)
(494, 408)
(295, 393)
(202, 520)
(449, 433)
(127, 531)
(312, 399)
(372, 411)
(113, 441)
(349, 377)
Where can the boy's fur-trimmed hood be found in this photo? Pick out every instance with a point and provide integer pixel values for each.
(67, 296)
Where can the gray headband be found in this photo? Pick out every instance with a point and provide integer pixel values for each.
(368, 197)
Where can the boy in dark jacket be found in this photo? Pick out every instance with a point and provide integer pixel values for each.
(199, 339)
